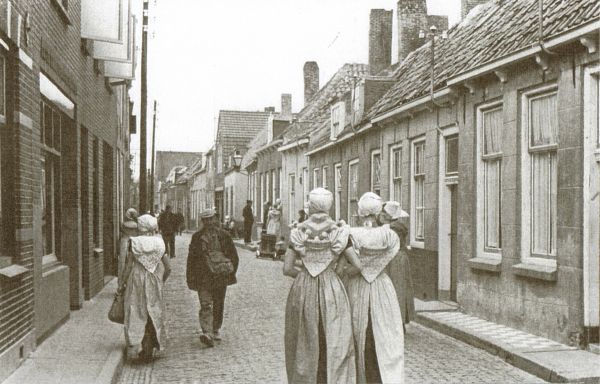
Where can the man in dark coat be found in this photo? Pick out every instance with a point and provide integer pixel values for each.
(211, 286)
(248, 221)
(167, 225)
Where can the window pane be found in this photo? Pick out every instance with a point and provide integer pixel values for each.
(420, 208)
(397, 196)
(324, 177)
(338, 178)
(452, 155)
(544, 120)
(492, 204)
(492, 129)
(376, 173)
(397, 162)
(419, 158)
(543, 203)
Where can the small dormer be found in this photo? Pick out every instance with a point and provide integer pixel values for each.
(338, 118)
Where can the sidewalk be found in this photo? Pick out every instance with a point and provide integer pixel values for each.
(87, 349)
(544, 358)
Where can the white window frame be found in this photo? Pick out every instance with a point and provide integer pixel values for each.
(374, 153)
(337, 181)
(351, 163)
(338, 116)
(315, 180)
(324, 175)
(414, 242)
(393, 150)
(494, 253)
(526, 254)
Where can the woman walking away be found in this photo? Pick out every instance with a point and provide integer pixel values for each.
(399, 268)
(318, 330)
(376, 316)
(146, 269)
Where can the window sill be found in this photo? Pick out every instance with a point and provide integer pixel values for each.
(62, 11)
(417, 244)
(486, 264)
(12, 272)
(536, 271)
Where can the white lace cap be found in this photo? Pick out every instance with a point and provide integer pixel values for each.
(369, 204)
(319, 200)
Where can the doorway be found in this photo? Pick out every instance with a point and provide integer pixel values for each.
(448, 214)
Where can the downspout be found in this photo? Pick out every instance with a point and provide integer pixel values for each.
(541, 29)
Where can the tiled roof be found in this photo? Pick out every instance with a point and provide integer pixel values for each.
(257, 142)
(489, 32)
(317, 111)
(238, 128)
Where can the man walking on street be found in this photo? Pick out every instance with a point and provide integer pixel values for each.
(211, 266)
(167, 224)
(248, 221)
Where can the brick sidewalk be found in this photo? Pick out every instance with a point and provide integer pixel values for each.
(88, 348)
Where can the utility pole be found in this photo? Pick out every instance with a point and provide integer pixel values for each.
(143, 106)
(152, 191)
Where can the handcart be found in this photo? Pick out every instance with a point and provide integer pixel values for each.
(270, 247)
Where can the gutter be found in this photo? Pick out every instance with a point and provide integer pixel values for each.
(565, 37)
(293, 145)
(271, 144)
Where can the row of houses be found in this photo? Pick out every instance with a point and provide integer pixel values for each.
(65, 124)
(487, 134)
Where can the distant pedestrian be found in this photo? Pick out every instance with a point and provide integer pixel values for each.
(248, 221)
(211, 266)
(229, 226)
(180, 222)
(301, 216)
(167, 224)
(266, 209)
(274, 221)
(146, 270)
(399, 268)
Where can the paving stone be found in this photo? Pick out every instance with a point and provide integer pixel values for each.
(252, 350)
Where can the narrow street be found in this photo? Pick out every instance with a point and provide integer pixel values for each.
(252, 346)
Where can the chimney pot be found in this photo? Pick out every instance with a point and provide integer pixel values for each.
(311, 80)
(380, 40)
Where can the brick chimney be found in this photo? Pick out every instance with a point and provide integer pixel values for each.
(380, 40)
(286, 105)
(467, 5)
(412, 18)
(311, 80)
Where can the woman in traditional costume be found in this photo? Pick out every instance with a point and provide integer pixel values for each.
(319, 345)
(128, 229)
(399, 268)
(376, 316)
(147, 267)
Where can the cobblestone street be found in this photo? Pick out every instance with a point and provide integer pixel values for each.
(252, 346)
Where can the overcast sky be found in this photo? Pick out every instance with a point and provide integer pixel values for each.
(209, 55)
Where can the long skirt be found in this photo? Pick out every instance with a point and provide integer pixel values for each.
(319, 303)
(375, 308)
(399, 272)
(143, 302)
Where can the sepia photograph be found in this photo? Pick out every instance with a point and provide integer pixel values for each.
(299, 191)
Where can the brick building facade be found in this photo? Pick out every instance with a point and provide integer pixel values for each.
(65, 151)
(496, 166)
